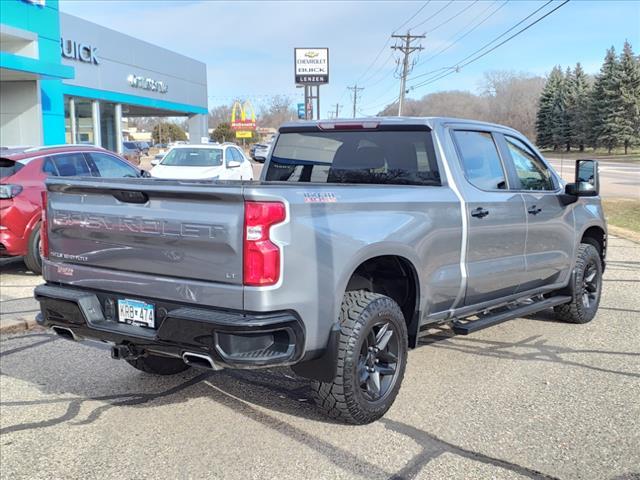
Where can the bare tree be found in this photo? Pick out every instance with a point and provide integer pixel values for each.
(506, 97)
(277, 111)
(219, 114)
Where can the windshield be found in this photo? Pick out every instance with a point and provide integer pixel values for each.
(193, 157)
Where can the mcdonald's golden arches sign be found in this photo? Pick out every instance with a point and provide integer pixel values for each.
(243, 116)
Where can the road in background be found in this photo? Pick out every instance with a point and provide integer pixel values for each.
(530, 398)
(617, 179)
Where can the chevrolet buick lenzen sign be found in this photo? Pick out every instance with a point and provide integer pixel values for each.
(311, 66)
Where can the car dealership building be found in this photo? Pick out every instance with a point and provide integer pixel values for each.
(66, 80)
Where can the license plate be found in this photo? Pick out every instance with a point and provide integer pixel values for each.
(136, 312)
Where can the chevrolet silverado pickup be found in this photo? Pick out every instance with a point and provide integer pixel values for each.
(358, 236)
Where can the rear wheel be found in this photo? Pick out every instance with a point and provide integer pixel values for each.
(586, 287)
(158, 365)
(372, 355)
(33, 259)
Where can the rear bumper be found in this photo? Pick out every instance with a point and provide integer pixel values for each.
(231, 338)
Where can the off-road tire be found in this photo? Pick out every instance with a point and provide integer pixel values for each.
(158, 365)
(342, 398)
(33, 259)
(575, 311)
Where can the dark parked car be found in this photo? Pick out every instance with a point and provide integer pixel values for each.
(22, 175)
(131, 152)
(143, 147)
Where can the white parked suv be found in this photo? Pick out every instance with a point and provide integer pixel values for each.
(197, 162)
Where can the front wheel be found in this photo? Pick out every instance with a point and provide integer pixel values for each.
(372, 354)
(585, 289)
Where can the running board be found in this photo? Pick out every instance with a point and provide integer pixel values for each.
(465, 328)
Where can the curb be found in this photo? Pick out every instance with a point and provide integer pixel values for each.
(16, 325)
(624, 233)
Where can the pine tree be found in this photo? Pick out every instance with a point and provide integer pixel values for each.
(577, 107)
(630, 97)
(607, 105)
(560, 121)
(546, 106)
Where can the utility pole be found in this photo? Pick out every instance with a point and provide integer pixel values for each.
(355, 90)
(337, 110)
(407, 49)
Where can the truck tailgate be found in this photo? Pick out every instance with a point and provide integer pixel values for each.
(181, 230)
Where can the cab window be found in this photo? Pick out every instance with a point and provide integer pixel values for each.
(480, 159)
(532, 172)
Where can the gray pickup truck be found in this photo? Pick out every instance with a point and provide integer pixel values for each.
(359, 236)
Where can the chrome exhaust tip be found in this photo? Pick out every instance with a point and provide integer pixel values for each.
(64, 332)
(200, 360)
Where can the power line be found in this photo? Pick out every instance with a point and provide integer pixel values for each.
(491, 42)
(379, 104)
(412, 16)
(407, 49)
(431, 30)
(389, 39)
(384, 64)
(468, 32)
(459, 66)
(431, 16)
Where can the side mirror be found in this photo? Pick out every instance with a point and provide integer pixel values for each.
(233, 164)
(145, 174)
(587, 181)
(155, 162)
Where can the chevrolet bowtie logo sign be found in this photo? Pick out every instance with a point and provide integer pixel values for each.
(311, 54)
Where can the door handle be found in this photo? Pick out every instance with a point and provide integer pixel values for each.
(534, 211)
(479, 212)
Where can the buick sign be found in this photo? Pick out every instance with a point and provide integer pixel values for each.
(146, 83)
(80, 52)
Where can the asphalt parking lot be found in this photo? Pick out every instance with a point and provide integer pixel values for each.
(531, 398)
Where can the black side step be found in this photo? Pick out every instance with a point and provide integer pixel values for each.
(465, 328)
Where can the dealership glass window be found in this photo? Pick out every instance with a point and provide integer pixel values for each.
(108, 125)
(68, 135)
(84, 121)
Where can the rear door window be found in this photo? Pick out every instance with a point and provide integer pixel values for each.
(110, 166)
(480, 159)
(370, 157)
(71, 165)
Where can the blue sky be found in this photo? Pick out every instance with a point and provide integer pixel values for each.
(248, 46)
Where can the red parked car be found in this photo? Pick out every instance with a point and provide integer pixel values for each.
(22, 175)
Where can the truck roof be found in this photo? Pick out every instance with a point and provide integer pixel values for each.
(430, 122)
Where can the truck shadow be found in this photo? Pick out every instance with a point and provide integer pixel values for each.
(255, 395)
(15, 266)
(534, 348)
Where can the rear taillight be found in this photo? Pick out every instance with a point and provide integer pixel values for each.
(261, 255)
(9, 191)
(44, 228)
